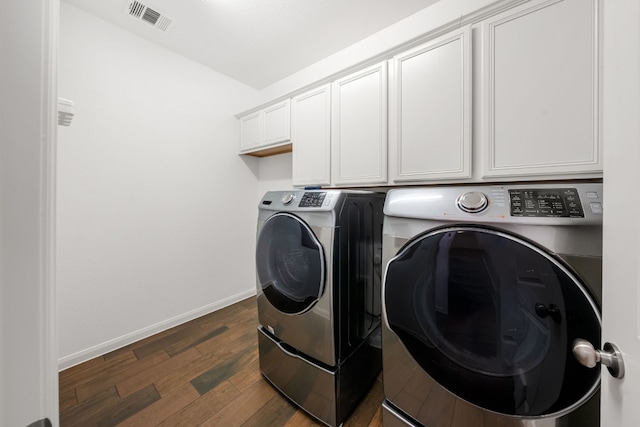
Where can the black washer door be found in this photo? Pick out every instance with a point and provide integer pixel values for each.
(491, 317)
(289, 263)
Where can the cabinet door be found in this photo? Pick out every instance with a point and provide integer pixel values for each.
(359, 137)
(277, 123)
(540, 77)
(430, 123)
(311, 137)
(250, 131)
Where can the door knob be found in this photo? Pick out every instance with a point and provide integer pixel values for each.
(610, 356)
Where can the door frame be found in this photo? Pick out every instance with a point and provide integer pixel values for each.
(621, 251)
(29, 339)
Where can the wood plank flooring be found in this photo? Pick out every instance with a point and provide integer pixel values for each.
(202, 373)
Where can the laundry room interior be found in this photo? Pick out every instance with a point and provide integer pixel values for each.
(396, 220)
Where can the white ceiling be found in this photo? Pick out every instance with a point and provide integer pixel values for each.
(258, 42)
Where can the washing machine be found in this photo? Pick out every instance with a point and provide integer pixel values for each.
(319, 274)
(486, 290)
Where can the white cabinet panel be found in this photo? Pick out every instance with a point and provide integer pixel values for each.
(359, 137)
(250, 131)
(277, 123)
(311, 137)
(540, 77)
(430, 114)
(266, 128)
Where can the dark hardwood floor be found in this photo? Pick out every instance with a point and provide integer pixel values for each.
(202, 373)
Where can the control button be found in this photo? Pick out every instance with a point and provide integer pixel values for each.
(287, 198)
(592, 195)
(472, 202)
(596, 207)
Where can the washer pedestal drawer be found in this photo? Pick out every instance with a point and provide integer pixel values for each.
(326, 393)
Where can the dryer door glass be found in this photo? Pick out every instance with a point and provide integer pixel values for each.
(289, 263)
(492, 317)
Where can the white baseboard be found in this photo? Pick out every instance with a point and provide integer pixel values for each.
(116, 343)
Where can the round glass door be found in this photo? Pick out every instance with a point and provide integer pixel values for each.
(492, 317)
(289, 263)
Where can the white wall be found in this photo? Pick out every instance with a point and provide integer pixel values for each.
(275, 174)
(156, 211)
(28, 374)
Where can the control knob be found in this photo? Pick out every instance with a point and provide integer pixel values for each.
(472, 202)
(287, 198)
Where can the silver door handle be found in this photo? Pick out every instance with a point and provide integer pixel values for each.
(610, 356)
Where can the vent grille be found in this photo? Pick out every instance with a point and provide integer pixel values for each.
(163, 23)
(148, 14)
(136, 9)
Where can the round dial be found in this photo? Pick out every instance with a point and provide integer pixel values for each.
(287, 198)
(472, 202)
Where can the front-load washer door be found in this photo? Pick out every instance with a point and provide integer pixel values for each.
(289, 264)
(491, 317)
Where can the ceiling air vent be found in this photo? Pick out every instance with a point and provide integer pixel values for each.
(148, 14)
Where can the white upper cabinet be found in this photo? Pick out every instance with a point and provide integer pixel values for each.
(540, 76)
(266, 128)
(311, 137)
(359, 136)
(250, 131)
(430, 110)
(277, 123)
(513, 95)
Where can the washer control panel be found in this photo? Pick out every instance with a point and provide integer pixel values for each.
(313, 199)
(302, 200)
(546, 202)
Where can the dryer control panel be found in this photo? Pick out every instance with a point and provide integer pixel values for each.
(569, 203)
(546, 202)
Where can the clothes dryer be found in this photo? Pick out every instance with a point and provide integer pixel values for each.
(486, 289)
(318, 264)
